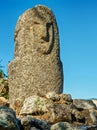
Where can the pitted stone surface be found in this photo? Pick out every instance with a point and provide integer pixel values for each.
(36, 68)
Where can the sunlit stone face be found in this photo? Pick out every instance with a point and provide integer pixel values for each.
(41, 35)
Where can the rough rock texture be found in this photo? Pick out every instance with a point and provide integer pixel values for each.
(17, 105)
(87, 105)
(51, 110)
(64, 126)
(30, 123)
(95, 101)
(84, 104)
(36, 68)
(4, 102)
(55, 108)
(36, 105)
(8, 119)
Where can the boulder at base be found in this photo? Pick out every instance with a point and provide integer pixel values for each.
(8, 119)
(55, 108)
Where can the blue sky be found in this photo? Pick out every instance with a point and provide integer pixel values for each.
(77, 23)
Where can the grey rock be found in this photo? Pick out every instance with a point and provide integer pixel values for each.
(47, 109)
(66, 97)
(64, 126)
(55, 108)
(36, 68)
(34, 128)
(8, 120)
(30, 123)
(86, 111)
(84, 104)
(92, 127)
(36, 105)
(55, 97)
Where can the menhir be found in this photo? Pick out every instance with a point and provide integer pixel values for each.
(36, 68)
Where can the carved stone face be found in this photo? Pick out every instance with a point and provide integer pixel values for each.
(42, 34)
(36, 68)
(36, 32)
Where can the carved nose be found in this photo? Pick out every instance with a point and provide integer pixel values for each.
(45, 34)
(45, 38)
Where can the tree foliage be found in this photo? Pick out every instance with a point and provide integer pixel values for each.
(2, 74)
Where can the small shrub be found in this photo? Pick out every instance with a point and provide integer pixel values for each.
(1, 74)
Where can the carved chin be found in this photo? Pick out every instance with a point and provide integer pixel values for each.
(44, 50)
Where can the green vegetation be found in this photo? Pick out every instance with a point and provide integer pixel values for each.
(4, 89)
(2, 74)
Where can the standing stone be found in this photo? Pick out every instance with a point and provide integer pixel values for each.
(36, 68)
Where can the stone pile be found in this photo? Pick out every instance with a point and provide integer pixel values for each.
(51, 112)
(55, 108)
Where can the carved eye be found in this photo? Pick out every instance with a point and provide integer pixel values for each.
(35, 22)
(48, 25)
